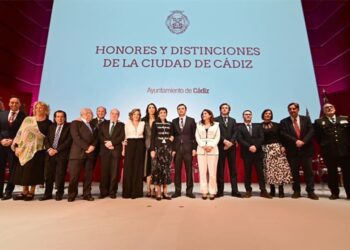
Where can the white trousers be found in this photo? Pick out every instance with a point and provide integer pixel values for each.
(207, 163)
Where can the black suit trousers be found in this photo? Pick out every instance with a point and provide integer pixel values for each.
(306, 162)
(180, 157)
(257, 161)
(109, 171)
(230, 154)
(7, 156)
(55, 171)
(332, 164)
(75, 166)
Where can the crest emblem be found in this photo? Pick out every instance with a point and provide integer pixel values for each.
(177, 22)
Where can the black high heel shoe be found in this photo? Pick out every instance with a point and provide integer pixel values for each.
(166, 197)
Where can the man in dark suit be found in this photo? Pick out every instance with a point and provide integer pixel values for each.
(185, 148)
(10, 121)
(297, 132)
(85, 137)
(97, 121)
(227, 150)
(333, 135)
(111, 135)
(57, 144)
(250, 137)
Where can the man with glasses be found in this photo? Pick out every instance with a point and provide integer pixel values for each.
(333, 135)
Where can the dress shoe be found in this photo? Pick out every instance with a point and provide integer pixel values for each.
(158, 198)
(6, 196)
(236, 194)
(29, 197)
(296, 195)
(334, 197)
(191, 195)
(281, 195)
(102, 196)
(18, 197)
(212, 197)
(248, 194)
(265, 194)
(166, 196)
(175, 195)
(88, 198)
(113, 196)
(312, 196)
(58, 197)
(219, 194)
(45, 197)
(71, 199)
(204, 196)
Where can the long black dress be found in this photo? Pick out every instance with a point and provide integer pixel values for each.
(134, 161)
(160, 143)
(32, 173)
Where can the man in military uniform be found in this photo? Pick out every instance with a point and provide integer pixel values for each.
(333, 135)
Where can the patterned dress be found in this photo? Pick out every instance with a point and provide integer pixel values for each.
(160, 143)
(276, 167)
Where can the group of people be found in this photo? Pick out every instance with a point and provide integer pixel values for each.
(38, 151)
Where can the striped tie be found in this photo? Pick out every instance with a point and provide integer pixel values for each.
(57, 136)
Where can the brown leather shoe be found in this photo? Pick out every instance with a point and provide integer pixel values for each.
(248, 194)
(296, 195)
(265, 194)
(312, 196)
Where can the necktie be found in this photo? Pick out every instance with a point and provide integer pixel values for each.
(181, 123)
(226, 121)
(57, 136)
(99, 122)
(296, 127)
(12, 118)
(333, 120)
(88, 125)
(112, 128)
(250, 129)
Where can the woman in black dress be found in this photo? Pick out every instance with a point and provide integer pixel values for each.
(151, 115)
(134, 156)
(276, 167)
(161, 153)
(29, 148)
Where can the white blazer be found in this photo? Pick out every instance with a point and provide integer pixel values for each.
(210, 138)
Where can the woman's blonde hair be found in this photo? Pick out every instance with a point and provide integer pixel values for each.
(133, 111)
(46, 107)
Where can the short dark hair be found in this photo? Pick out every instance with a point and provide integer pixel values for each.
(295, 104)
(60, 111)
(181, 104)
(211, 116)
(223, 104)
(160, 109)
(247, 110)
(263, 113)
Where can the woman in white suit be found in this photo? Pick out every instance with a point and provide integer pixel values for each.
(207, 137)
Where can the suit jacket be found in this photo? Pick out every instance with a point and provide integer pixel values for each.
(116, 138)
(246, 140)
(334, 139)
(186, 135)
(289, 136)
(82, 139)
(64, 142)
(210, 138)
(228, 132)
(7, 131)
(95, 122)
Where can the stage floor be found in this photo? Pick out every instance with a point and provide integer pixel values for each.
(182, 223)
